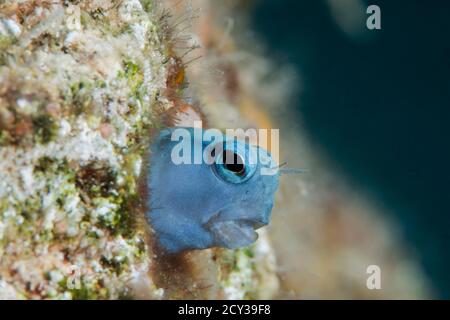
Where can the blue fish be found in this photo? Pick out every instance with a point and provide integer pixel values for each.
(212, 203)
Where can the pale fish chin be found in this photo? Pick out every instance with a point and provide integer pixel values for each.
(233, 234)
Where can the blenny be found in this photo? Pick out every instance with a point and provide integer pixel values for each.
(212, 203)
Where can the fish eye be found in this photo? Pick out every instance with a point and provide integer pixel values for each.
(231, 165)
(233, 162)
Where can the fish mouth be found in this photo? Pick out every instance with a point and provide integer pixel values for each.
(234, 234)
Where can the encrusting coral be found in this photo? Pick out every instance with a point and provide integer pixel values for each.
(82, 83)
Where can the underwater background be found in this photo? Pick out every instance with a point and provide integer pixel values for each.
(376, 102)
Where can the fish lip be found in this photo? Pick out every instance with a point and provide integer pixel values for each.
(246, 223)
(254, 223)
